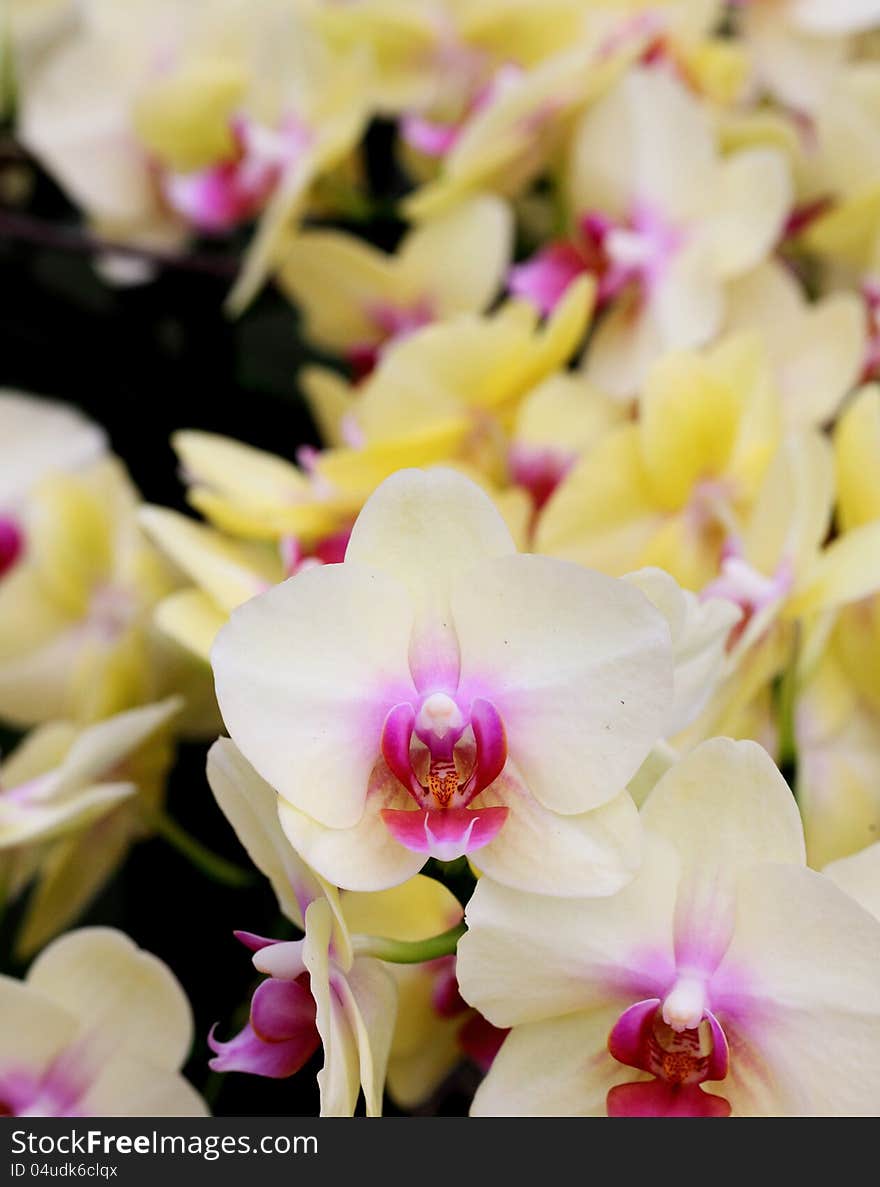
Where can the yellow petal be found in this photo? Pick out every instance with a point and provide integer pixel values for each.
(857, 460)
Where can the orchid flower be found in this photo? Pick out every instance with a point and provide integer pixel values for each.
(437, 694)
(325, 990)
(507, 141)
(71, 804)
(75, 635)
(663, 226)
(847, 171)
(798, 48)
(98, 1028)
(816, 351)
(667, 489)
(355, 298)
(446, 392)
(837, 734)
(700, 989)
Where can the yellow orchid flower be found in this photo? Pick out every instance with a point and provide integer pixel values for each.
(226, 572)
(257, 495)
(665, 225)
(847, 170)
(446, 392)
(505, 142)
(160, 121)
(781, 573)
(838, 769)
(797, 48)
(355, 298)
(668, 488)
(855, 636)
(75, 610)
(816, 350)
(72, 802)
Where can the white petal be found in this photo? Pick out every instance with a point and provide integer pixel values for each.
(123, 997)
(538, 851)
(699, 630)
(811, 1001)
(305, 674)
(528, 957)
(363, 857)
(251, 807)
(128, 1087)
(579, 667)
(859, 877)
(371, 1007)
(428, 528)
(726, 805)
(38, 437)
(338, 1079)
(558, 1068)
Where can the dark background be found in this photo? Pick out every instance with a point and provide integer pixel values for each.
(143, 362)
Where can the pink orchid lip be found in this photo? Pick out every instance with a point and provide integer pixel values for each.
(655, 1098)
(281, 1034)
(445, 833)
(11, 543)
(247, 1052)
(678, 1059)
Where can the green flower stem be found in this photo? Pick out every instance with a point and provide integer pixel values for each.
(409, 951)
(217, 868)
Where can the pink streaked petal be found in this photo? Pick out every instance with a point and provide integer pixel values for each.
(247, 1052)
(491, 749)
(11, 543)
(282, 1010)
(544, 278)
(481, 1041)
(628, 1041)
(447, 833)
(658, 1099)
(253, 942)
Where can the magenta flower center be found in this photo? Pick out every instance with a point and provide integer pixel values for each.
(447, 770)
(679, 1043)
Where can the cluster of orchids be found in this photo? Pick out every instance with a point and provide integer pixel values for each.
(548, 686)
